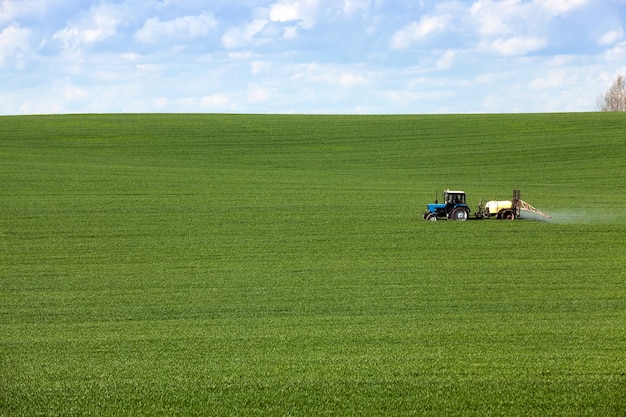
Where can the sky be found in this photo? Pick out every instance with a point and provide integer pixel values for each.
(308, 56)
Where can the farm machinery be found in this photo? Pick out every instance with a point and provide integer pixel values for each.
(454, 207)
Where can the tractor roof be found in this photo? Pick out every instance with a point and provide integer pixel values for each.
(454, 192)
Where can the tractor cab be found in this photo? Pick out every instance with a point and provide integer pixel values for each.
(454, 198)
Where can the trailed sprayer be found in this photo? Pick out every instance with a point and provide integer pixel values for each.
(454, 207)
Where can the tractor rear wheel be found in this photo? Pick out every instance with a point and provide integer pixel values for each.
(459, 214)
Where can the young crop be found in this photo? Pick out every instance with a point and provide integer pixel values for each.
(278, 265)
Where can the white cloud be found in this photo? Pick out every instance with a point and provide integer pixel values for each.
(161, 102)
(72, 93)
(410, 98)
(181, 29)
(259, 94)
(553, 79)
(307, 55)
(12, 9)
(446, 60)
(215, 100)
(417, 31)
(131, 56)
(304, 11)
(616, 53)
(242, 36)
(98, 24)
(291, 32)
(354, 6)
(281, 20)
(557, 7)
(348, 79)
(13, 39)
(506, 17)
(611, 37)
(42, 104)
(516, 28)
(260, 67)
(508, 27)
(331, 75)
(495, 18)
(518, 45)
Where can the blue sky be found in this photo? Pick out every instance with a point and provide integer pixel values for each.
(308, 56)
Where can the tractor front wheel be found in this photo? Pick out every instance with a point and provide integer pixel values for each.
(459, 214)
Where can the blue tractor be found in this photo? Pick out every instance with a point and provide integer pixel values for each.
(453, 207)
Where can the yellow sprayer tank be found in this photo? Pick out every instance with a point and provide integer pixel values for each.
(494, 207)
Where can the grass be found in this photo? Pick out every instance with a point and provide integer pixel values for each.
(279, 265)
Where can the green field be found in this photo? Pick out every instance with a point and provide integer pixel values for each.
(159, 265)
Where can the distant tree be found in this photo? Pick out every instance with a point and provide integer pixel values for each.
(615, 97)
